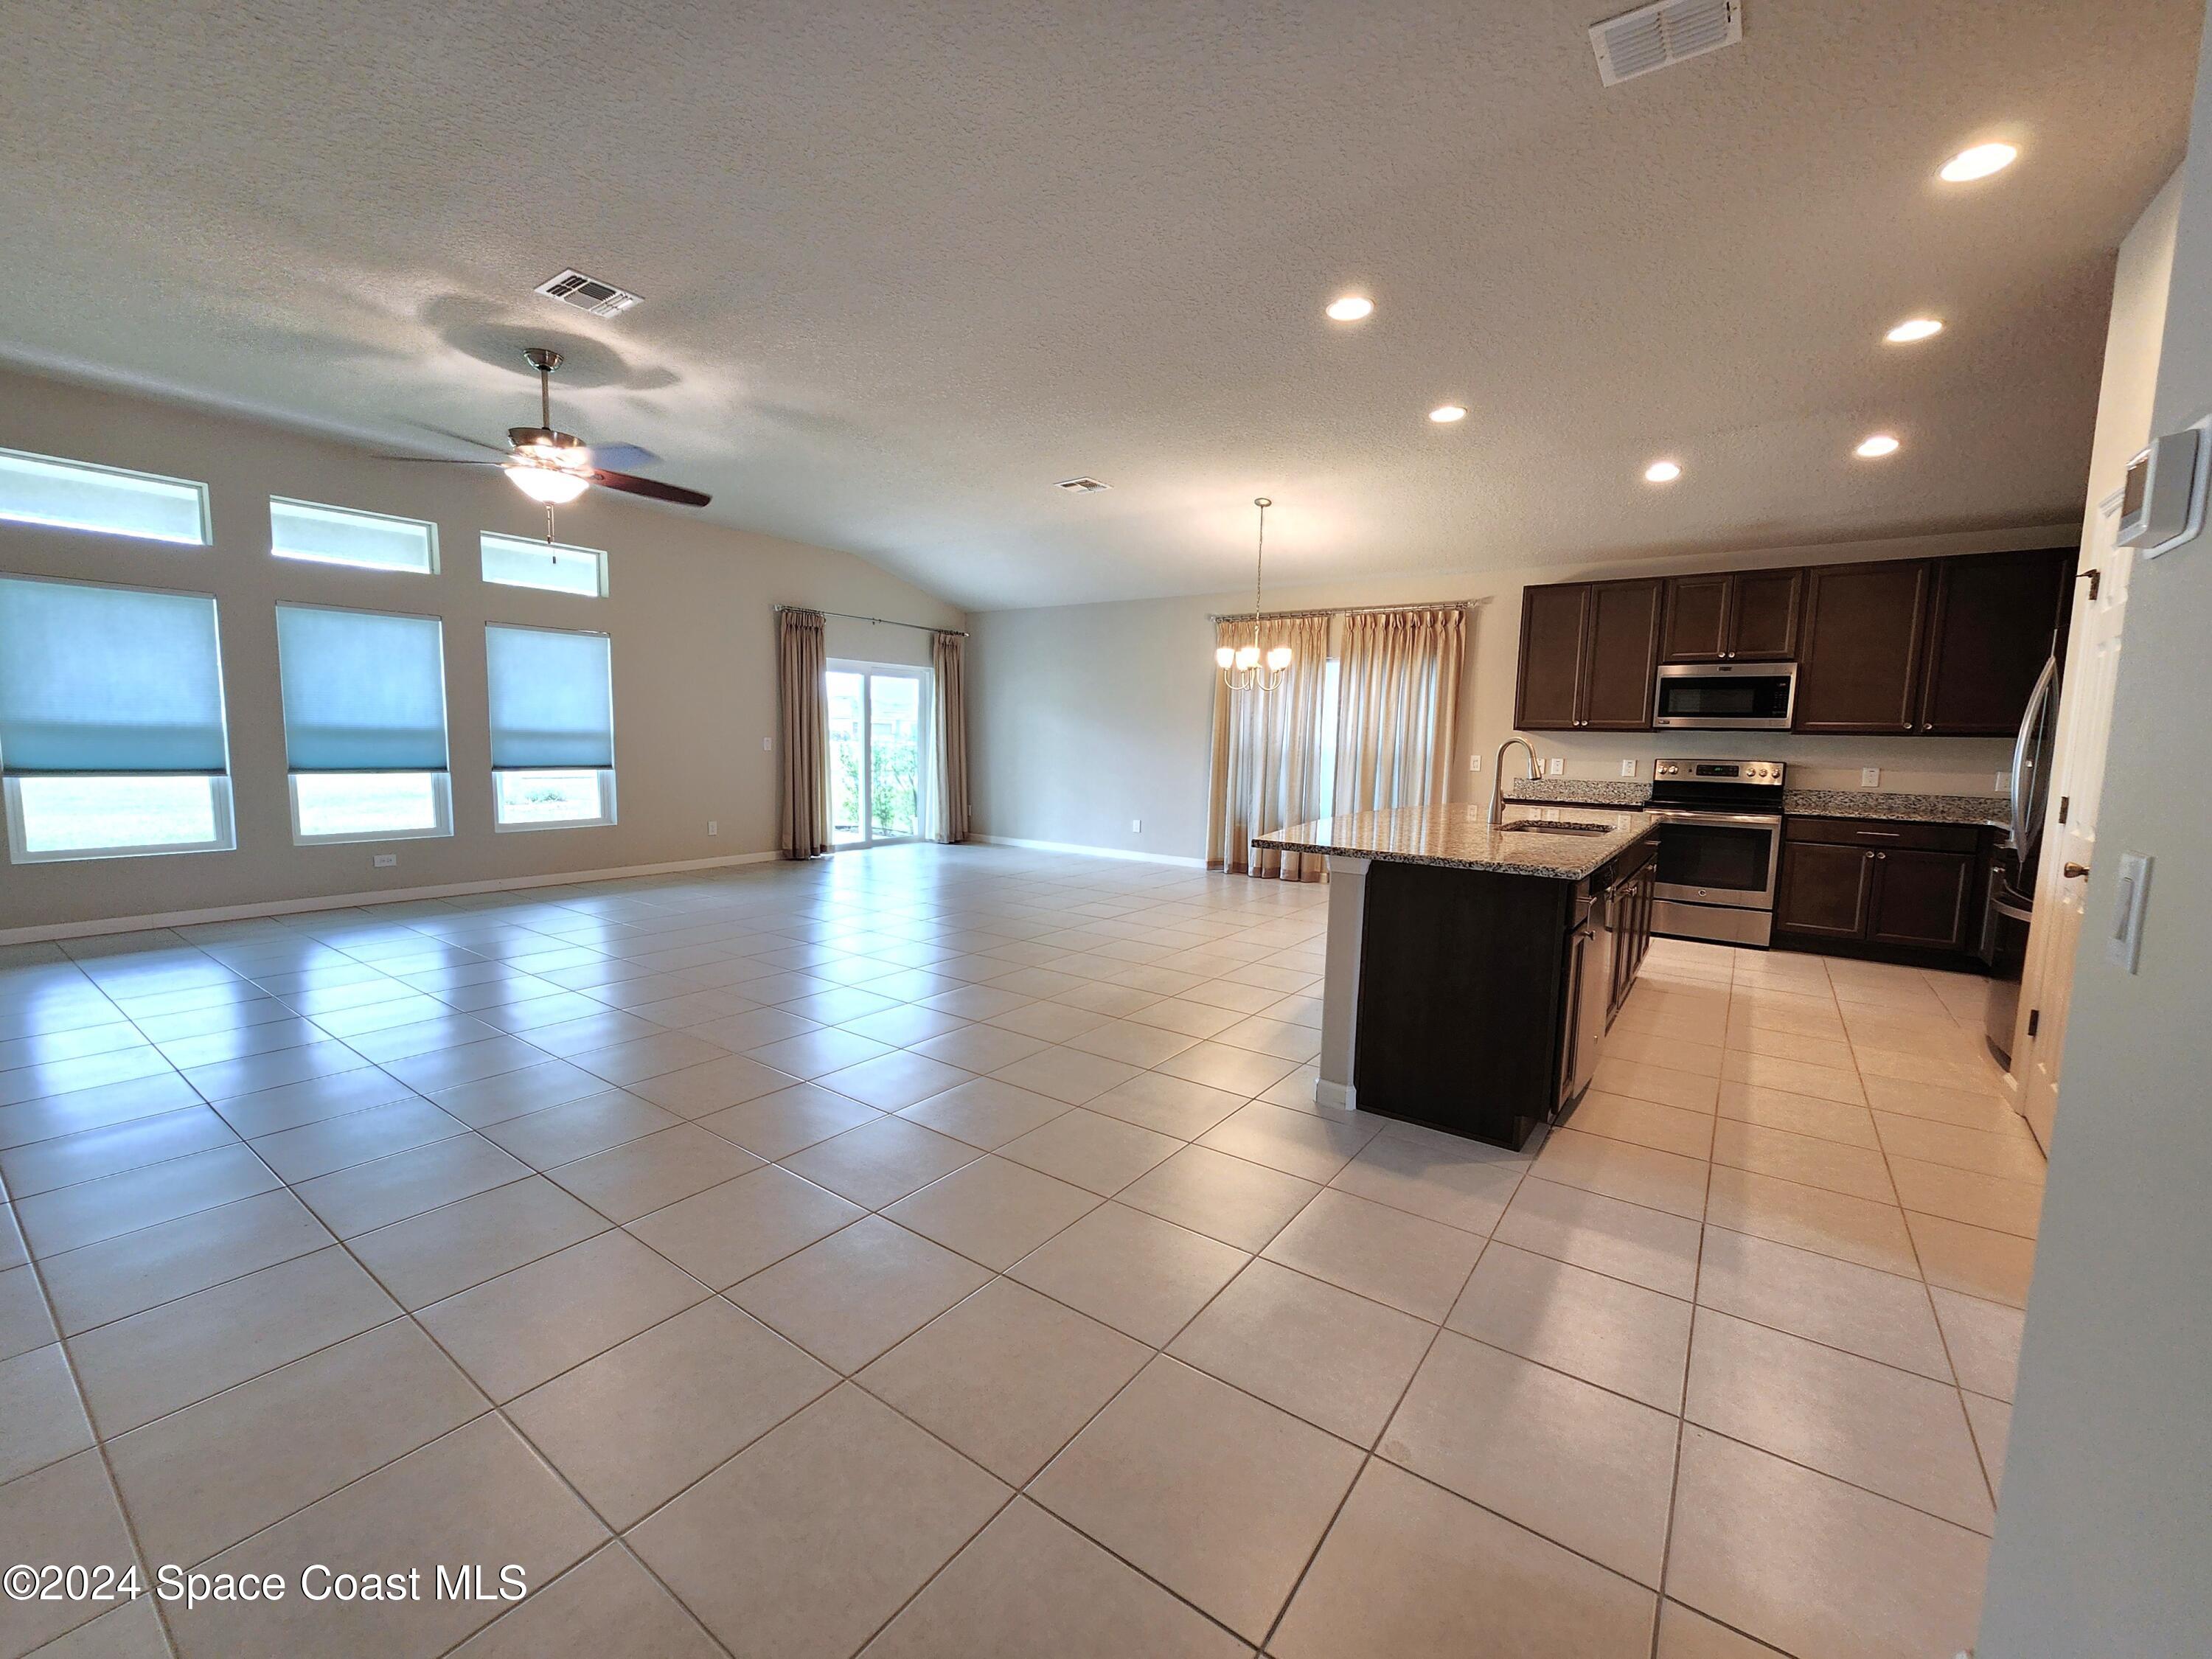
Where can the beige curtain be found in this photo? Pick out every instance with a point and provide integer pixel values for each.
(948, 788)
(1397, 707)
(803, 800)
(1265, 748)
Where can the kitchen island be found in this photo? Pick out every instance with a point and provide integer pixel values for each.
(1471, 970)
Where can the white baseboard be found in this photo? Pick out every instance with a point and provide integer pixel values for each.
(1092, 852)
(351, 901)
(1342, 1096)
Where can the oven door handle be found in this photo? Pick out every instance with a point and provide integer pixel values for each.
(1769, 819)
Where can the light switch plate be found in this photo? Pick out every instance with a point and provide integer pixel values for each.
(767, 742)
(1555, 766)
(714, 828)
(1474, 763)
(1869, 777)
(1628, 769)
(1136, 826)
(387, 861)
(2123, 945)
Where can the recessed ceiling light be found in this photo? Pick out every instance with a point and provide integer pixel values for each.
(1445, 413)
(1661, 473)
(1876, 446)
(1919, 328)
(1979, 162)
(1350, 309)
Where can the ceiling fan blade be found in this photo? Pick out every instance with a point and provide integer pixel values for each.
(621, 458)
(459, 437)
(437, 460)
(651, 489)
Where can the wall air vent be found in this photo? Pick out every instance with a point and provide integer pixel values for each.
(572, 287)
(1083, 486)
(1654, 37)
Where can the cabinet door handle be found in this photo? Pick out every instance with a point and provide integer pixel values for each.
(2072, 869)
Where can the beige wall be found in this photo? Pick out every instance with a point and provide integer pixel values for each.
(689, 609)
(1085, 717)
(2104, 1540)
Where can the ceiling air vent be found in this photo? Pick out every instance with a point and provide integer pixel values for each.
(1083, 486)
(572, 287)
(1653, 37)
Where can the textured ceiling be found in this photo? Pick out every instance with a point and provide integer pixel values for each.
(906, 265)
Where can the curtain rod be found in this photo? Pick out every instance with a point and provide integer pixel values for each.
(1351, 610)
(887, 621)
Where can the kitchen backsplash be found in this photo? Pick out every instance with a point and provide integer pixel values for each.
(1925, 808)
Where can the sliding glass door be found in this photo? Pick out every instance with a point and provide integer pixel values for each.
(879, 752)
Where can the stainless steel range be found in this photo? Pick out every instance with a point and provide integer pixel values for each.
(1720, 843)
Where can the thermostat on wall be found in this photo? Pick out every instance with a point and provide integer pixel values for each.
(2162, 502)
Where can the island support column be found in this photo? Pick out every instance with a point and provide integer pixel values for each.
(1339, 994)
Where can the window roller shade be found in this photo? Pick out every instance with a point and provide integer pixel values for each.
(363, 692)
(108, 680)
(552, 700)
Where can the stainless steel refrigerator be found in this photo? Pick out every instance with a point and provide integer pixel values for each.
(2012, 873)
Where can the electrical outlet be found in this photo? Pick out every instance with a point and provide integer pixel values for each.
(1136, 826)
(767, 742)
(712, 828)
(1869, 777)
(2001, 782)
(387, 861)
(1474, 763)
(1628, 769)
(1556, 767)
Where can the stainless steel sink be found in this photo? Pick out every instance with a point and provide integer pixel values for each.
(1555, 827)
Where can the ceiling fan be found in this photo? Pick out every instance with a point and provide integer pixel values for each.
(555, 467)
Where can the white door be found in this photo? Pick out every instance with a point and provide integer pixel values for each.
(2069, 834)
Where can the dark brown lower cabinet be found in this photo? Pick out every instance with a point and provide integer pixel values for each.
(1824, 890)
(1920, 899)
(1631, 899)
(1886, 887)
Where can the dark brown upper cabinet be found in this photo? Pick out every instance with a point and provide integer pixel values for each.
(1996, 623)
(1735, 615)
(1589, 653)
(1554, 622)
(1858, 666)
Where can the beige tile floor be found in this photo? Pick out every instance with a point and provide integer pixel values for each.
(936, 1252)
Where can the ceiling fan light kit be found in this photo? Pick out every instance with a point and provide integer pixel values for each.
(553, 467)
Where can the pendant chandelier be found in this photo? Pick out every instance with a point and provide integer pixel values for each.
(1240, 664)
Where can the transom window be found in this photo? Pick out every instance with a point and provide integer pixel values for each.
(511, 561)
(345, 535)
(46, 489)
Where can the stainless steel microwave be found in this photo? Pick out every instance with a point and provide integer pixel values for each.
(1745, 696)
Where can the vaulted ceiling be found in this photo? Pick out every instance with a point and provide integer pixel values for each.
(905, 267)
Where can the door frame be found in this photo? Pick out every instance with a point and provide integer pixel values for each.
(2036, 1084)
(923, 704)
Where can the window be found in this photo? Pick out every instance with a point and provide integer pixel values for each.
(112, 736)
(342, 535)
(552, 728)
(513, 562)
(78, 495)
(364, 724)
(543, 799)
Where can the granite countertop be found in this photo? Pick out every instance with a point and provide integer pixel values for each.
(1627, 793)
(1459, 838)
